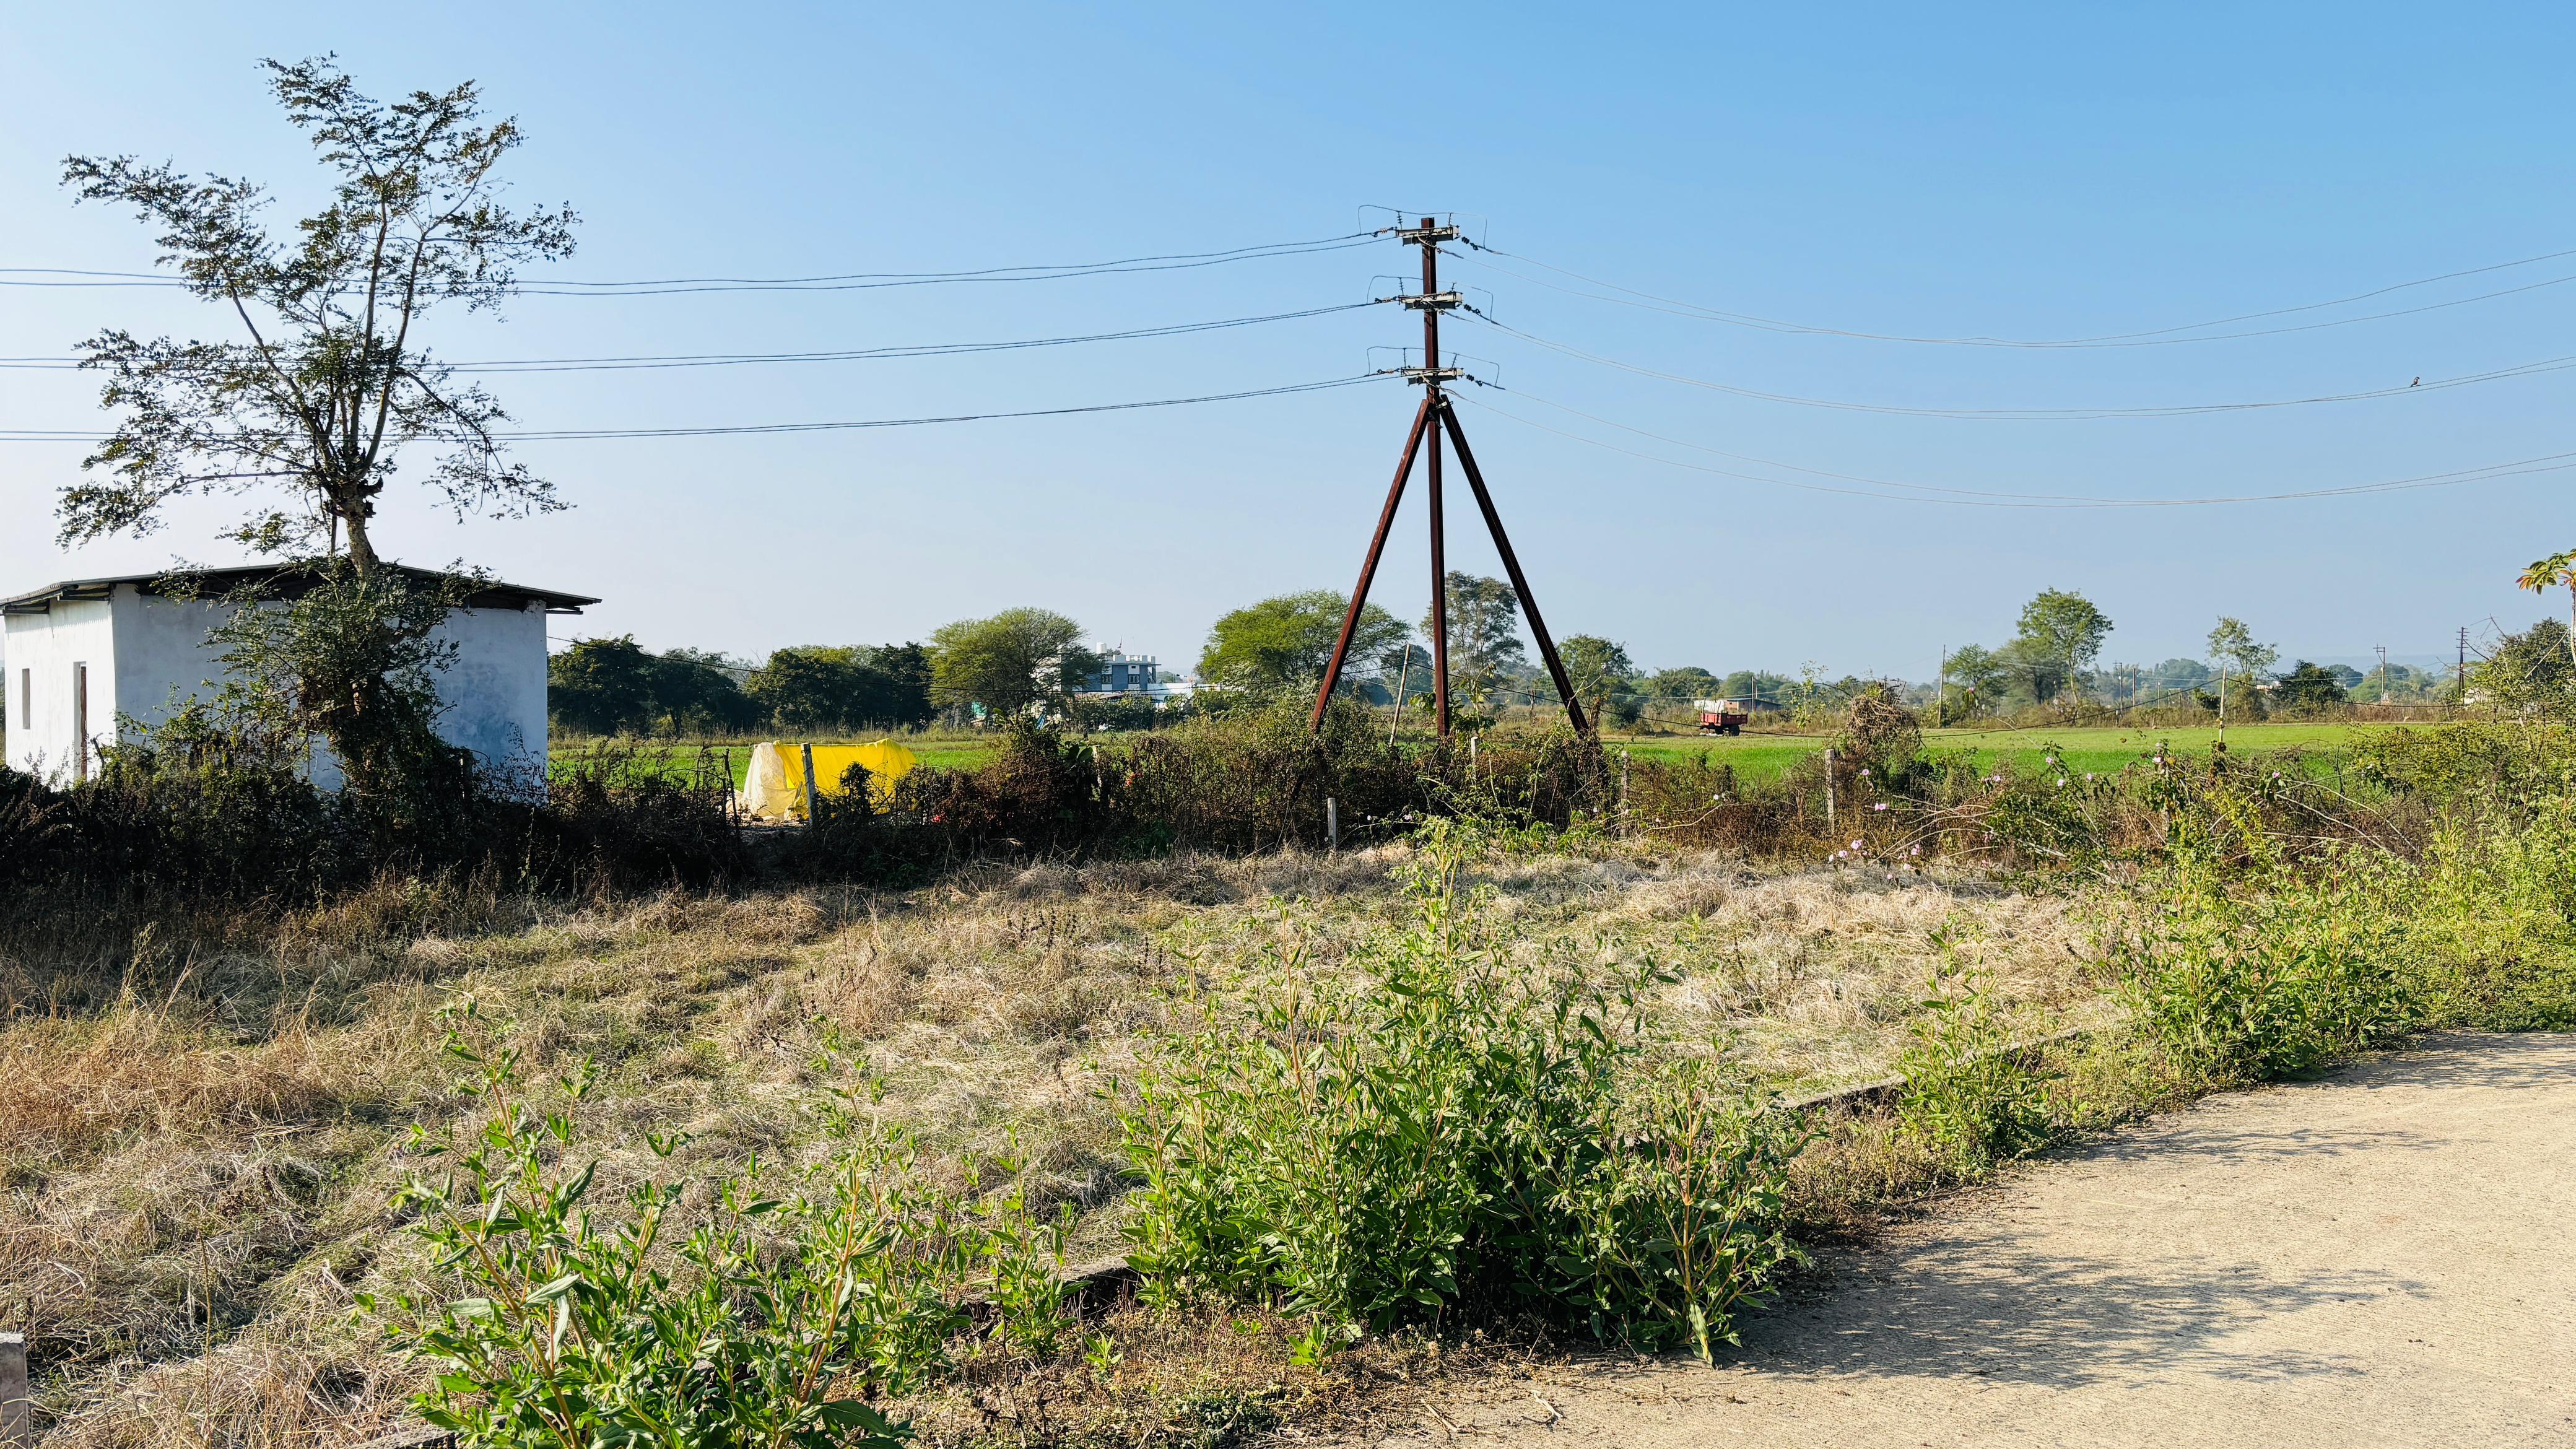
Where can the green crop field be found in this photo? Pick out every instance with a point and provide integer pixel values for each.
(1754, 756)
(946, 754)
(2097, 750)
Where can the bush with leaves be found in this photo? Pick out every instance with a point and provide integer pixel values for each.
(732, 1318)
(2250, 966)
(1970, 1092)
(1454, 1133)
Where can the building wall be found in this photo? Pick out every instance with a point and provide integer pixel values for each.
(45, 647)
(146, 653)
(495, 692)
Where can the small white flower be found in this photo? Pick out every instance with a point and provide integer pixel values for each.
(1880, 806)
(1855, 845)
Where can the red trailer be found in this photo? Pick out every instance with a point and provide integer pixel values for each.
(1723, 716)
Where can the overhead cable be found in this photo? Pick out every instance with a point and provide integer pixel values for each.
(549, 435)
(2156, 337)
(731, 359)
(1885, 490)
(840, 282)
(2036, 415)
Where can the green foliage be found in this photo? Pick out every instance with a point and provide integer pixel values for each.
(2241, 660)
(817, 688)
(1604, 678)
(2308, 688)
(608, 686)
(1485, 648)
(1008, 662)
(1284, 643)
(2251, 971)
(729, 1318)
(2061, 633)
(1454, 1131)
(1969, 1093)
(320, 396)
(2531, 670)
(327, 652)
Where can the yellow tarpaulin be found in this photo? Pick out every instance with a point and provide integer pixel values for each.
(774, 787)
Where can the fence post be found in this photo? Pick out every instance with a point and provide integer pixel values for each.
(17, 1411)
(813, 796)
(1333, 822)
(1833, 762)
(1623, 792)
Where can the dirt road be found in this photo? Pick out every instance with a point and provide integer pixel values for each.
(2387, 1257)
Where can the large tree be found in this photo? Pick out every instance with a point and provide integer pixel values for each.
(1285, 642)
(1016, 658)
(1484, 634)
(2241, 661)
(816, 687)
(327, 379)
(1604, 677)
(2065, 631)
(604, 686)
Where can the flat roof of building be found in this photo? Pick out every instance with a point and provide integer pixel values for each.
(284, 581)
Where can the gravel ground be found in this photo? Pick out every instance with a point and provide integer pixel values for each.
(2384, 1257)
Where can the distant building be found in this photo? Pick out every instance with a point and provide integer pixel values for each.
(1121, 673)
(87, 657)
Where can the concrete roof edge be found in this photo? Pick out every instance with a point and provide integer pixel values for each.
(555, 600)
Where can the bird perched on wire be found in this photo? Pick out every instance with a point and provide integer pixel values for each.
(2419, 382)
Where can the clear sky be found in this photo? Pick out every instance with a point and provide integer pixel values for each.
(2024, 172)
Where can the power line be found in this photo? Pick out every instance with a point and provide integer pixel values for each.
(2033, 415)
(841, 282)
(2157, 337)
(551, 435)
(730, 359)
(1968, 498)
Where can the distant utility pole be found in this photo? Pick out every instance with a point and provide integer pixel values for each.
(1941, 690)
(1430, 421)
(2464, 665)
(2383, 671)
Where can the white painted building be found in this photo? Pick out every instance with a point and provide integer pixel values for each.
(86, 656)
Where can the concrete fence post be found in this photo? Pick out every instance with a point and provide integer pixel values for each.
(813, 792)
(1333, 822)
(17, 1410)
(1833, 761)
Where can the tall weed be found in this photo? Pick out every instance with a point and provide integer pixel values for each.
(728, 1318)
(1453, 1132)
(1970, 1093)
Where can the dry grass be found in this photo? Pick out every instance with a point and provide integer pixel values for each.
(195, 1167)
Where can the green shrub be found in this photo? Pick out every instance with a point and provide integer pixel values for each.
(727, 1319)
(1453, 1131)
(2277, 975)
(2493, 909)
(1970, 1094)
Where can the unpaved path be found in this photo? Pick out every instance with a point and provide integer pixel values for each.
(2386, 1257)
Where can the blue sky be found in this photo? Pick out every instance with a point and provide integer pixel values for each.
(2034, 172)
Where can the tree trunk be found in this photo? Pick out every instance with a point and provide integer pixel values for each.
(362, 551)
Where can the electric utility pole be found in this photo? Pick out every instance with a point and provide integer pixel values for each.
(1435, 417)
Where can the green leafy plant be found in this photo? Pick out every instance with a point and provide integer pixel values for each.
(2251, 966)
(1969, 1093)
(757, 1321)
(1451, 1131)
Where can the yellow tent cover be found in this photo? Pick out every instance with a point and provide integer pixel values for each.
(774, 786)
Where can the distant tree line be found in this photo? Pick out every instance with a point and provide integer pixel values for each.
(1009, 663)
(1024, 660)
